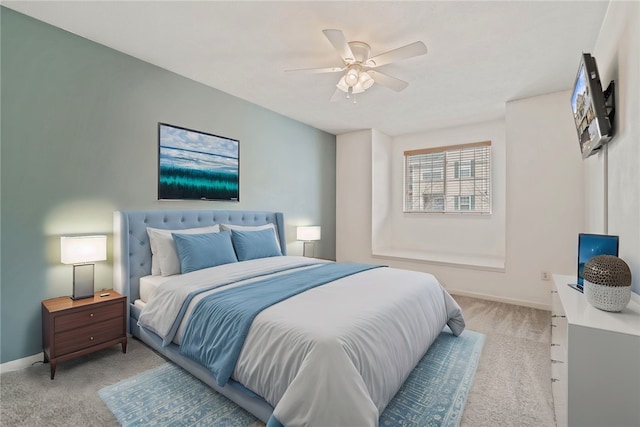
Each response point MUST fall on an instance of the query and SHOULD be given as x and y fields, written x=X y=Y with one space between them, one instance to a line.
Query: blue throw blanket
x=219 y=323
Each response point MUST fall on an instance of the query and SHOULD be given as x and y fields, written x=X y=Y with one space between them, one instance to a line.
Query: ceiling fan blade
x=338 y=95
x=317 y=70
x=388 y=81
x=337 y=39
x=404 y=52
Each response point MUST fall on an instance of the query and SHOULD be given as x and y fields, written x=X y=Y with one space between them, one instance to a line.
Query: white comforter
x=334 y=355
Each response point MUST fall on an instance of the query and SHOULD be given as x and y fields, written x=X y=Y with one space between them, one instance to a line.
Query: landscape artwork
x=195 y=165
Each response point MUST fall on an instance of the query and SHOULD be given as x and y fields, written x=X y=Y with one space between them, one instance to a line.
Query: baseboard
x=25 y=362
x=545 y=307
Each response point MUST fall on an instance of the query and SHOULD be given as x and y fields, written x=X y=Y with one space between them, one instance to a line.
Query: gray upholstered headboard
x=132 y=252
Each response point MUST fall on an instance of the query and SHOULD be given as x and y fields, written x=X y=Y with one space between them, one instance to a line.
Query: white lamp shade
x=342 y=85
x=76 y=250
x=365 y=80
x=351 y=78
x=358 y=88
x=308 y=233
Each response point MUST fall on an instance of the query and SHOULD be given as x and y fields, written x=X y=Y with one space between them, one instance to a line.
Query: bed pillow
x=198 y=251
x=155 y=265
x=254 y=228
x=164 y=257
x=255 y=244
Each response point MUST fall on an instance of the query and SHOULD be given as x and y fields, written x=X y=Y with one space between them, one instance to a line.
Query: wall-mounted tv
x=593 y=119
x=194 y=165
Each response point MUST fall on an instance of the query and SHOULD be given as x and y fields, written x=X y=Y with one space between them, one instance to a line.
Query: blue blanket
x=219 y=323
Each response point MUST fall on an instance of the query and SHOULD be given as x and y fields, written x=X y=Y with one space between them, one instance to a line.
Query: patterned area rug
x=433 y=395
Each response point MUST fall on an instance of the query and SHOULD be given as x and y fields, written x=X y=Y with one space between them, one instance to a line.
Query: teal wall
x=79 y=141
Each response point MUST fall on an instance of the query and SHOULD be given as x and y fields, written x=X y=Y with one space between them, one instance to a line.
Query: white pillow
x=163 y=248
x=155 y=264
x=253 y=228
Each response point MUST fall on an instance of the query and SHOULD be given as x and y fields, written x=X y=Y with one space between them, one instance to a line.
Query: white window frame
x=464 y=173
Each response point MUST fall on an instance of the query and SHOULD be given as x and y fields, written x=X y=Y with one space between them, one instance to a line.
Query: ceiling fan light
x=365 y=80
x=342 y=85
x=351 y=78
x=357 y=88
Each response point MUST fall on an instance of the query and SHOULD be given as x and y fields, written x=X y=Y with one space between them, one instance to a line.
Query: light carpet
x=434 y=394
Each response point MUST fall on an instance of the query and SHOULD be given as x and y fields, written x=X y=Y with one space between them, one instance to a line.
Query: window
x=464 y=169
x=464 y=203
x=433 y=202
x=455 y=179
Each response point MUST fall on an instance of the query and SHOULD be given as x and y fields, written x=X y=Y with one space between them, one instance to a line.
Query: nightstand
x=73 y=328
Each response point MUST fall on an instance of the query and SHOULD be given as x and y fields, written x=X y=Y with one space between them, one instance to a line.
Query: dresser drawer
x=88 y=316
x=88 y=336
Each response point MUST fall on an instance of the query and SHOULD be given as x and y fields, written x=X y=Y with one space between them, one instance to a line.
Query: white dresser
x=595 y=360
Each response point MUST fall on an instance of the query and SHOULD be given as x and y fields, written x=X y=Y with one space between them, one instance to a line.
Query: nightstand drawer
x=88 y=316
x=88 y=336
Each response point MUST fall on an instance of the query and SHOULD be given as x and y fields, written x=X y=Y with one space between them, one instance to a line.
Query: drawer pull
x=558 y=315
x=556 y=361
x=554 y=380
x=91 y=315
x=555 y=345
x=554 y=292
x=91 y=338
x=553 y=326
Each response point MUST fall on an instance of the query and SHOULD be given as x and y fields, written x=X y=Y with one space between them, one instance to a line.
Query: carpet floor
x=433 y=395
x=511 y=386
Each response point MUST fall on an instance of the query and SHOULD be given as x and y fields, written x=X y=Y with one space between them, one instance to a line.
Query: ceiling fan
x=361 y=72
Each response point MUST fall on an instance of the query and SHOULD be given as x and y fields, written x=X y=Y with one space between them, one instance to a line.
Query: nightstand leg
x=53 y=369
x=124 y=345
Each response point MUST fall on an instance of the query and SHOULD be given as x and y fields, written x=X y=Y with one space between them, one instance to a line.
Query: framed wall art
x=194 y=165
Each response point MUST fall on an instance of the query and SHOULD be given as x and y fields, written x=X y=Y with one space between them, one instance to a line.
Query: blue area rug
x=433 y=395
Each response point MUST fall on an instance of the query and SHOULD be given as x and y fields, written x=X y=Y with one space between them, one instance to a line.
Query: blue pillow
x=198 y=251
x=255 y=244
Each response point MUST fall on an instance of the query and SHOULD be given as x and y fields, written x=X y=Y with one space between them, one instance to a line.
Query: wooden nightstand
x=72 y=329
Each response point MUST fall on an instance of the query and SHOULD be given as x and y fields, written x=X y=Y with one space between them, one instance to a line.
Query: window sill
x=477 y=262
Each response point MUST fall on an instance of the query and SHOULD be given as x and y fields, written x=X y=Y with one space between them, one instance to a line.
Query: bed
x=334 y=354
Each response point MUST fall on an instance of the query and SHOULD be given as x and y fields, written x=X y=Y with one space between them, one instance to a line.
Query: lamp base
x=306 y=250
x=82 y=281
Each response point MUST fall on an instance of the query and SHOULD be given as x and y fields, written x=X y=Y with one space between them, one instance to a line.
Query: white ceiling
x=481 y=53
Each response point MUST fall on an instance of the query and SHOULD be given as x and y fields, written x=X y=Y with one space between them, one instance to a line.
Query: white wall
x=353 y=196
x=613 y=176
x=543 y=202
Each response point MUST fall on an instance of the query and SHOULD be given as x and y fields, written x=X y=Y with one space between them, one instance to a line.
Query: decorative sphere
x=607 y=270
x=607 y=283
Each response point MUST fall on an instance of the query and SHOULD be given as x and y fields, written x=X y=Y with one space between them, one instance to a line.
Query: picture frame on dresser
x=590 y=245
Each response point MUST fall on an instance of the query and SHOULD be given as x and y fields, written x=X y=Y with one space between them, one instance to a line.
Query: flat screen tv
x=194 y=165
x=590 y=113
x=590 y=245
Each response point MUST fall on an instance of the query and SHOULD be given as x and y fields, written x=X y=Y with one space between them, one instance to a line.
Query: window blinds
x=449 y=179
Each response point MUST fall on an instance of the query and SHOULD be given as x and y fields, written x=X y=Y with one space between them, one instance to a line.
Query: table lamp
x=308 y=235
x=81 y=251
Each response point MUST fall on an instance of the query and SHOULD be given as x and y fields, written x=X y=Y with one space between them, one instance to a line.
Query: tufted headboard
x=132 y=251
